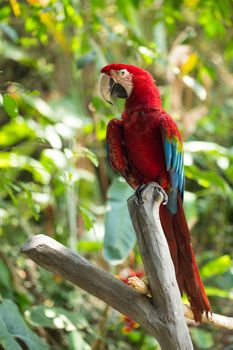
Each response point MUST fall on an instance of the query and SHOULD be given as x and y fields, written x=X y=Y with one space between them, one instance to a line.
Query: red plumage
x=187 y=274
x=144 y=146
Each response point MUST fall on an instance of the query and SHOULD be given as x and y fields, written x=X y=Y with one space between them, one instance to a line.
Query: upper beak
x=109 y=87
x=104 y=86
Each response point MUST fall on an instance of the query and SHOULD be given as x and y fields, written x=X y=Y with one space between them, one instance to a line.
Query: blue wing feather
x=173 y=151
x=174 y=156
x=168 y=152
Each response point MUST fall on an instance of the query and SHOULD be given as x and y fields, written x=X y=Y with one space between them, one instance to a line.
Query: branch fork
x=162 y=315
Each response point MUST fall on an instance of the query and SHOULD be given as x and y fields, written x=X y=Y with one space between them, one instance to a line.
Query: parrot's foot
x=157 y=189
x=164 y=194
x=139 y=190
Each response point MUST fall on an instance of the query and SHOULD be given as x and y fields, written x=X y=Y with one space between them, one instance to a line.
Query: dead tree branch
x=216 y=320
x=144 y=212
x=59 y=259
x=162 y=315
x=219 y=321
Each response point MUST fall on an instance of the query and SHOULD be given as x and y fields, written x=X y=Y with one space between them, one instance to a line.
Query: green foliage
x=56 y=318
x=14 y=328
x=10 y=105
x=119 y=237
x=202 y=338
x=54 y=174
x=216 y=266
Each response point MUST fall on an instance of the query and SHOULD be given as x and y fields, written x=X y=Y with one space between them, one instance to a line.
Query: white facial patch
x=124 y=78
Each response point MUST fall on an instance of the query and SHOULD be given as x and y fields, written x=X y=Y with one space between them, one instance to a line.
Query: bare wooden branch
x=216 y=320
x=144 y=212
x=164 y=319
x=139 y=285
x=56 y=258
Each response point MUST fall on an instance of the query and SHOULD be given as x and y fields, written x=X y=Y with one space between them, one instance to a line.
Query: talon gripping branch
x=144 y=146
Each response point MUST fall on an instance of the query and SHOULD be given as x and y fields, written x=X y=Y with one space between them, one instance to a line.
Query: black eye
x=122 y=72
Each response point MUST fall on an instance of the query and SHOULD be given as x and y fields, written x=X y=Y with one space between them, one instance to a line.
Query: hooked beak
x=109 y=87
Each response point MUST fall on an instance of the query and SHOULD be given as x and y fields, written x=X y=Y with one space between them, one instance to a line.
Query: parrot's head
x=126 y=81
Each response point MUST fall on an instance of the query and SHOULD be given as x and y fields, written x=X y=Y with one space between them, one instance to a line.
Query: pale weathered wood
x=144 y=212
x=164 y=317
x=59 y=259
x=219 y=321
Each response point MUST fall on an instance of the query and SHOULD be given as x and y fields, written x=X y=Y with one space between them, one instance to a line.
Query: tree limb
x=165 y=320
x=216 y=320
x=159 y=268
x=163 y=314
x=61 y=260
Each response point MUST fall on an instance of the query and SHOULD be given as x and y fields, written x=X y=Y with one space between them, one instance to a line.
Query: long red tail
x=188 y=278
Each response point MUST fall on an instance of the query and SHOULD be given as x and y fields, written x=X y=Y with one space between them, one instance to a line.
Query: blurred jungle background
x=55 y=178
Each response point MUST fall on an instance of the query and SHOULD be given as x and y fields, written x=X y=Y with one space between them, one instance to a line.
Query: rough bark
x=144 y=212
x=61 y=260
x=162 y=316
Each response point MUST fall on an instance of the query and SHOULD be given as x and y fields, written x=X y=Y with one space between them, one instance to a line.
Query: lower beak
x=109 y=87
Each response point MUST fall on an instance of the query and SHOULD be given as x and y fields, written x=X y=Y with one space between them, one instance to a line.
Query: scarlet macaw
x=145 y=145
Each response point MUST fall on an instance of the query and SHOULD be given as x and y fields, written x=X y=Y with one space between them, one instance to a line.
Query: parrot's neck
x=144 y=95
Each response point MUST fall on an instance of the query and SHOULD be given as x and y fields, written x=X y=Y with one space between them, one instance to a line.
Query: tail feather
x=166 y=220
x=179 y=241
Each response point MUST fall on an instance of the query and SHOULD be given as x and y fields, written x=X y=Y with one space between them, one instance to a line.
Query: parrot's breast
x=144 y=145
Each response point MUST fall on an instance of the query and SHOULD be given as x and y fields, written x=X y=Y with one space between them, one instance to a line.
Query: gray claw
x=157 y=191
x=164 y=194
x=138 y=193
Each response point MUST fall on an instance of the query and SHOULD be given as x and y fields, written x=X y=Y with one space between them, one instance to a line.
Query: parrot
x=144 y=145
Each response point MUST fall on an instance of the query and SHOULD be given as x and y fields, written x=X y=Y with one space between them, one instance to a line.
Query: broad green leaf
x=5 y=276
x=17 y=328
x=33 y=207
x=14 y=131
x=207 y=147
x=89 y=246
x=134 y=336
x=9 y=31
x=226 y=280
x=53 y=159
x=10 y=105
x=52 y=136
x=217 y=292
x=190 y=206
x=159 y=33
x=63 y=110
x=76 y=341
x=85 y=152
x=88 y=218
x=14 y=160
x=147 y=54
x=7 y=340
x=40 y=105
x=202 y=338
x=119 y=233
x=132 y=18
x=216 y=267
x=150 y=343
x=207 y=178
x=55 y=318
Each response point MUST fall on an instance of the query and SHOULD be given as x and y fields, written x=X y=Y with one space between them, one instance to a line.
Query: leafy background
x=54 y=175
